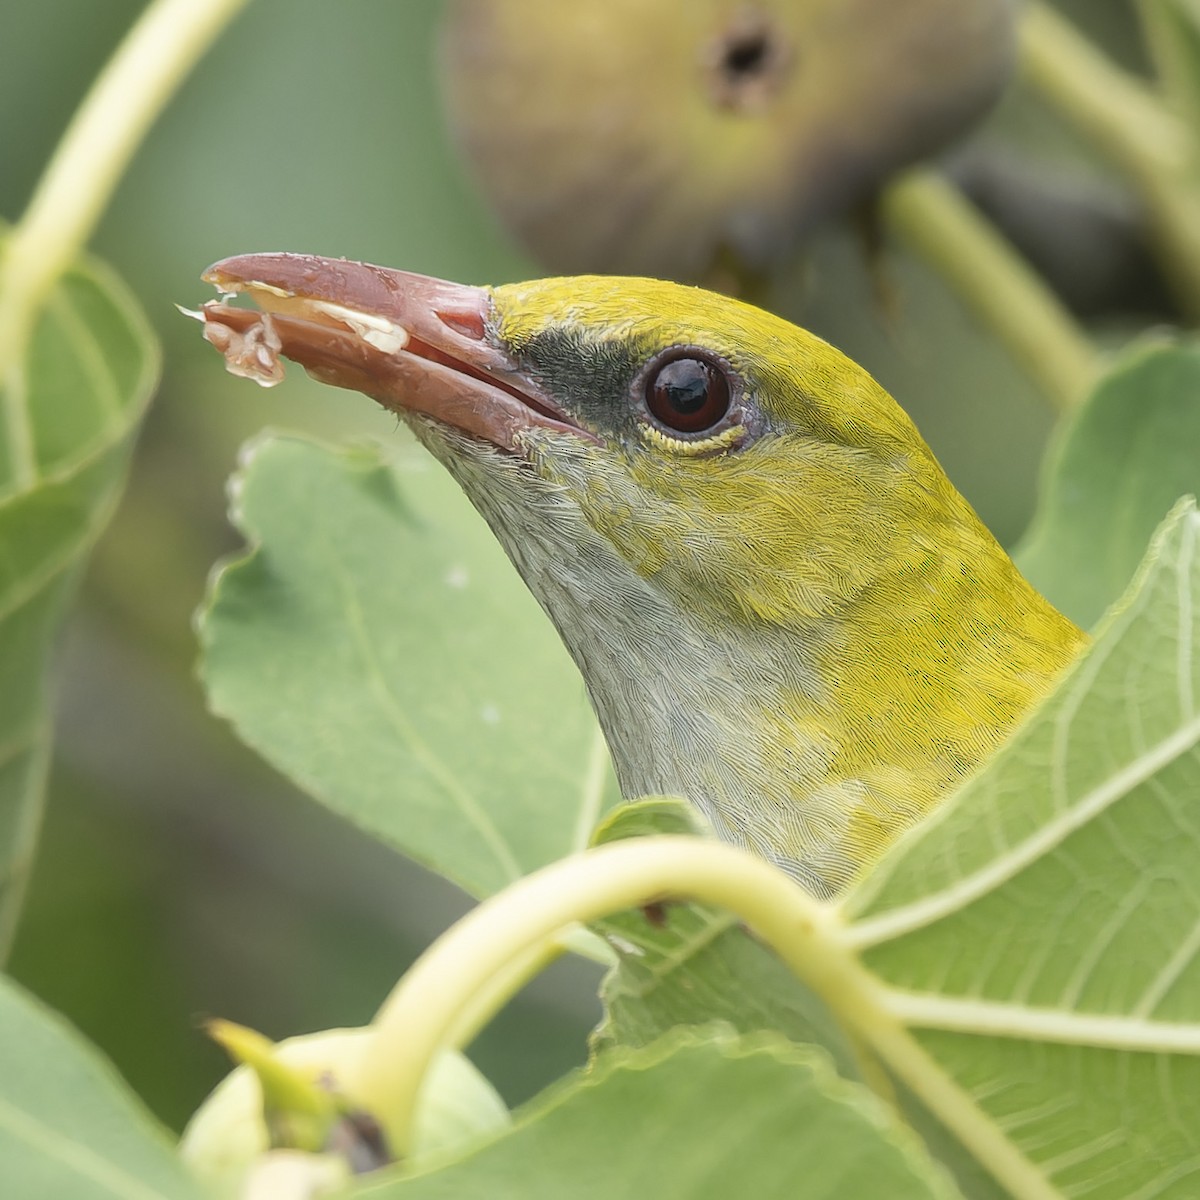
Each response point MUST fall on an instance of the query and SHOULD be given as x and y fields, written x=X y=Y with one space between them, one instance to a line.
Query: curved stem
x=481 y=961
x=498 y=942
x=571 y=938
x=1127 y=123
x=1008 y=296
x=482 y=1006
x=129 y=93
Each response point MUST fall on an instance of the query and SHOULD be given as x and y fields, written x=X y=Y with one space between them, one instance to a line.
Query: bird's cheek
x=624 y=520
x=599 y=481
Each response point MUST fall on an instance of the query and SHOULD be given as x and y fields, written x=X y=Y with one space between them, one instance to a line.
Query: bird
x=783 y=610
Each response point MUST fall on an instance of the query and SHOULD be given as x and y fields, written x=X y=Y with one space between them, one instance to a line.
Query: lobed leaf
x=377 y=647
x=1040 y=932
x=69 y=408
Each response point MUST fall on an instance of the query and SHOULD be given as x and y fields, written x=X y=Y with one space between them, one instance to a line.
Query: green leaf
x=1173 y=36
x=378 y=648
x=68 y=411
x=1120 y=463
x=1039 y=933
x=1024 y=965
x=69 y=1127
x=691 y=965
x=694 y=1117
x=646 y=817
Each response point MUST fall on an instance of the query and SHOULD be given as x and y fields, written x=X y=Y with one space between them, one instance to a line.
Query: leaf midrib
x=997 y=1018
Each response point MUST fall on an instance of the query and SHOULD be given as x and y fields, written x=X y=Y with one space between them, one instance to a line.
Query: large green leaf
x=695 y=1117
x=378 y=648
x=69 y=1127
x=68 y=410
x=1040 y=932
x=1120 y=463
x=1025 y=964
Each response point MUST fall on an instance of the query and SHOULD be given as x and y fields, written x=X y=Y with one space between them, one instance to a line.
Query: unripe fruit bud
x=228 y=1140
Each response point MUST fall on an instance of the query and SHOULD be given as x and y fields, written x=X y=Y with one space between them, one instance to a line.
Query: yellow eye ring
x=728 y=439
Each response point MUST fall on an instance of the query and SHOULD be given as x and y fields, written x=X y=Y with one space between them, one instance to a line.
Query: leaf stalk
x=942 y=227
x=471 y=971
x=1131 y=126
x=135 y=85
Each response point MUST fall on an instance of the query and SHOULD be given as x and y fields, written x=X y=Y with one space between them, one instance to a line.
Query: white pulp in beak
x=253 y=353
x=375 y=330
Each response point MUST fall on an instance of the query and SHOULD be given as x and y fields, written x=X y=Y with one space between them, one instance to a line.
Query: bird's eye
x=688 y=393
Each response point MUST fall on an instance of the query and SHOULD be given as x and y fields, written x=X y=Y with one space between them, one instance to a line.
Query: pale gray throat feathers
x=672 y=702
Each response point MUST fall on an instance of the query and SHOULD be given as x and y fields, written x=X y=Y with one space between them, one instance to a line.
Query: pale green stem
x=438 y=1000
x=28 y=823
x=937 y=223
x=498 y=942
x=487 y=1002
x=1127 y=123
x=129 y=93
x=481 y=1007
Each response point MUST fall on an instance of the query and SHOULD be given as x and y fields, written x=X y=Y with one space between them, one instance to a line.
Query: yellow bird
x=782 y=608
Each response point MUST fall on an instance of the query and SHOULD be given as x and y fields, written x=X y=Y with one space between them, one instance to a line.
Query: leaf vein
x=49 y=569
x=990 y=1018
x=1156 y=1187
x=923 y=912
x=91 y=355
x=1169 y=975
x=1101 y=944
x=1187 y=700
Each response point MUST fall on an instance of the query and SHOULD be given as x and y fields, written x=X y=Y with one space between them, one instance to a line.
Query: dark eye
x=688 y=393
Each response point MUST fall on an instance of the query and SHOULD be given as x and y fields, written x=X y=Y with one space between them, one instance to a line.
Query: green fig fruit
x=669 y=137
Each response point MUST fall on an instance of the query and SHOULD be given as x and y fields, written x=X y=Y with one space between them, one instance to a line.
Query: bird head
x=781 y=607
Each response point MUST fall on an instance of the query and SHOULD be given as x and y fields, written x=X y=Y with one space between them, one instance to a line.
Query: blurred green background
x=178 y=876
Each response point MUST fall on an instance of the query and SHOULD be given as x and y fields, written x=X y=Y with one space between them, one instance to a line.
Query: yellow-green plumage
x=781 y=607
x=812 y=636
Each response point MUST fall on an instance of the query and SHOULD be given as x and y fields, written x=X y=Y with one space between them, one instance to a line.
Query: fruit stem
x=469 y=973
x=1129 y=124
x=941 y=226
